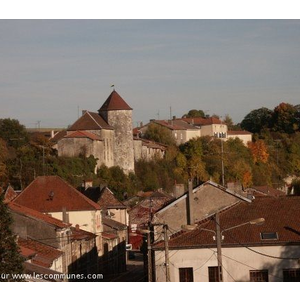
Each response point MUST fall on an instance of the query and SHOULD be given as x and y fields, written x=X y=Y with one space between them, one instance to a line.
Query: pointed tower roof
x=114 y=102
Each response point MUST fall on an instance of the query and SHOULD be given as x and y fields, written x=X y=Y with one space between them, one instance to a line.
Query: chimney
x=65 y=216
x=87 y=184
x=178 y=190
x=190 y=204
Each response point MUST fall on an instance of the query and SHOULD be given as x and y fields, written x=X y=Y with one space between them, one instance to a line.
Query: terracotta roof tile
x=109 y=235
x=114 y=102
x=202 y=121
x=79 y=234
x=52 y=194
x=267 y=190
x=58 y=136
x=90 y=121
x=45 y=255
x=37 y=215
x=9 y=195
x=176 y=124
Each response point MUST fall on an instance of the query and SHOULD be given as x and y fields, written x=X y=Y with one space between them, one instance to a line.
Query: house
x=196 y=204
x=53 y=196
x=29 y=224
x=106 y=134
x=265 y=190
x=106 y=200
x=148 y=150
x=243 y=135
x=142 y=213
x=84 y=252
x=115 y=236
x=268 y=252
x=180 y=130
x=41 y=254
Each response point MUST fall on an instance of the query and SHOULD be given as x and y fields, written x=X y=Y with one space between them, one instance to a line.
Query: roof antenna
x=113 y=86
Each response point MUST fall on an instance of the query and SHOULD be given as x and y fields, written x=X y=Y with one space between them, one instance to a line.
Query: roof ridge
x=93 y=119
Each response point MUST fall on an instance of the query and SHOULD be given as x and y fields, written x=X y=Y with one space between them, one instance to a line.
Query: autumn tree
x=259 y=151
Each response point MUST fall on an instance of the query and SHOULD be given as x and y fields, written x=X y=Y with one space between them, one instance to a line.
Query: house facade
x=265 y=252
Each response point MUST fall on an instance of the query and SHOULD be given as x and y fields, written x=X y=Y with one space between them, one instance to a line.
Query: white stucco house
x=268 y=252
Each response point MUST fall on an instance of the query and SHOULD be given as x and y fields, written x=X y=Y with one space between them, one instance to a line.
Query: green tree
x=13 y=132
x=257 y=120
x=159 y=134
x=194 y=113
x=10 y=259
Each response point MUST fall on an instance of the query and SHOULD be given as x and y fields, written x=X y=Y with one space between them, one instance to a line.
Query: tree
x=257 y=120
x=194 y=113
x=228 y=121
x=259 y=151
x=10 y=259
x=284 y=118
x=13 y=132
x=159 y=134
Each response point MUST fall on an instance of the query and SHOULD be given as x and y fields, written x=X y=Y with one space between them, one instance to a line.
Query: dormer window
x=269 y=236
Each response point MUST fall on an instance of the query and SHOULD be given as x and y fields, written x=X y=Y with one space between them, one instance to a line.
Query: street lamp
x=218 y=234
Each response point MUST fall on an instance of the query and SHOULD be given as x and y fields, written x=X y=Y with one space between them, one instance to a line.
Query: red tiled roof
x=281 y=215
x=83 y=134
x=175 y=124
x=45 y=255
x=9 y=195
x=26 y=253
x=37 y=215
x=115 y=102
x=267 y=190
x=202 y=121
x=79 y=234
x=109 y=235
x=52 y=194
x=108 y=200
x=238 y=132
x=90 y=121
x=58 y=136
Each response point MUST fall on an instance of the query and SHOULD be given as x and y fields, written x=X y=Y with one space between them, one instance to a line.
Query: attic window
x=269 y=235
x=51 y=196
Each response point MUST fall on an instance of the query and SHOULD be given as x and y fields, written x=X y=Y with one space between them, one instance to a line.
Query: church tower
x=118 y=114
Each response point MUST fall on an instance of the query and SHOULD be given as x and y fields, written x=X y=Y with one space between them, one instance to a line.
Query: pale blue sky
x=49 y=68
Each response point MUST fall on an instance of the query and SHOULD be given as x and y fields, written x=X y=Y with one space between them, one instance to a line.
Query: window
x=213 y=274
x=259 y=276
x=291 y=275
x=186 y=275
x=269 y=236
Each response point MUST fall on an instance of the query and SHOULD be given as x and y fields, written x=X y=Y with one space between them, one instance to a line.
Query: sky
x=52 y=69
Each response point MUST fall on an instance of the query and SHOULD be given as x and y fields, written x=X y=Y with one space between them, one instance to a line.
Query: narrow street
x=135 y=270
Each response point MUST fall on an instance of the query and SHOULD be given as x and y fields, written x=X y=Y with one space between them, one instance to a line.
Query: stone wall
x=121 y=120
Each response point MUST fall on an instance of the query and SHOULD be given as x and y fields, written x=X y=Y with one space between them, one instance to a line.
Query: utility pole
x=167 y=263
x=150 y=279
x=219 y=248
x=222 y=159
